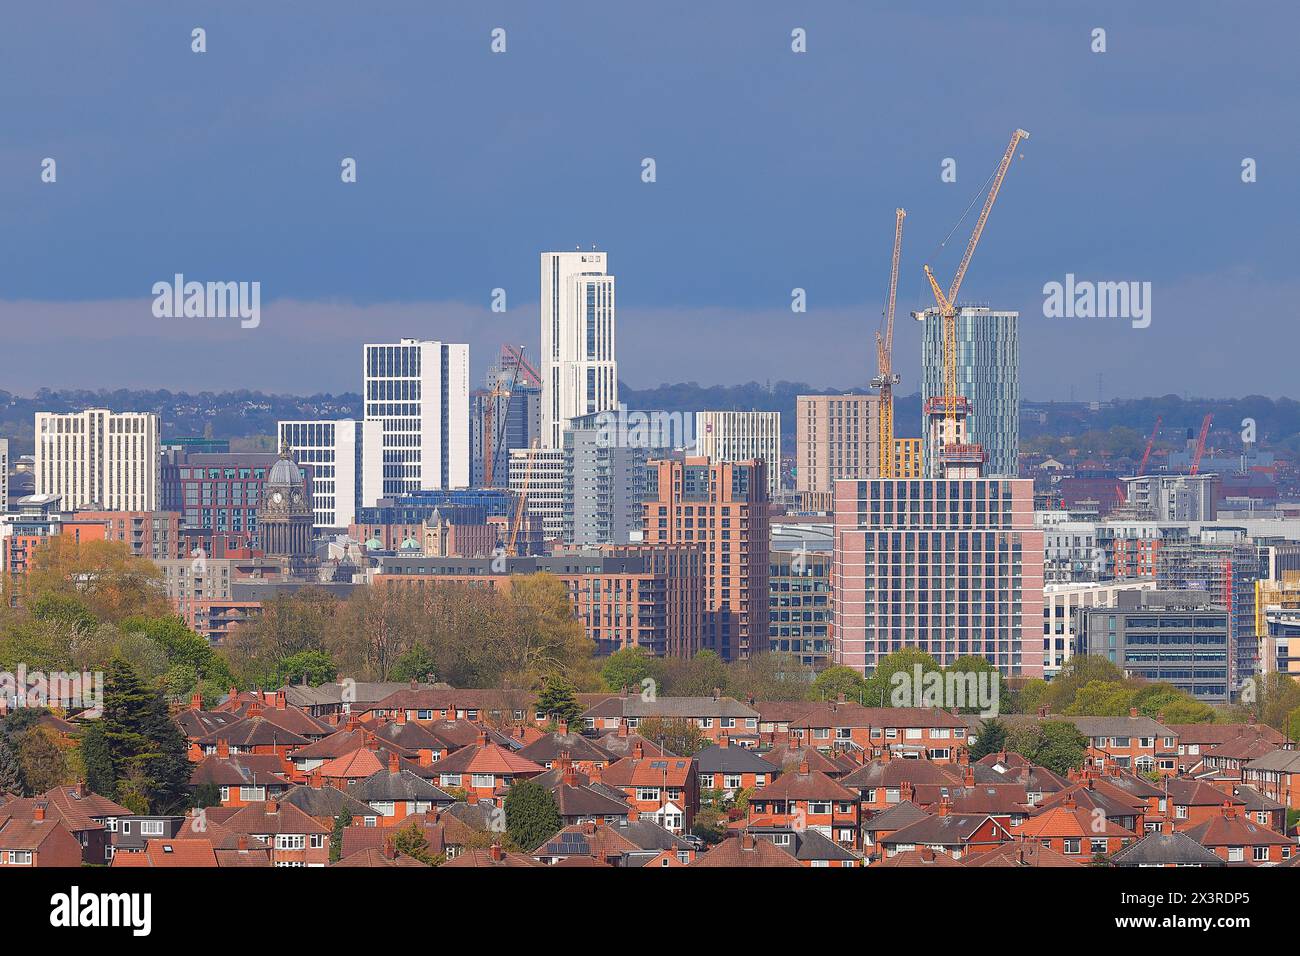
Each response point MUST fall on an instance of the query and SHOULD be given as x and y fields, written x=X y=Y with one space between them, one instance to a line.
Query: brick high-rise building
x=721 y=508
x=950 y=566
x=836 y=436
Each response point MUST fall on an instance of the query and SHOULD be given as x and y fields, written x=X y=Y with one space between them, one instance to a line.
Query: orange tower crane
x=1146 y=455
x=1200 y=445
x=886 y=379
x=948 y=303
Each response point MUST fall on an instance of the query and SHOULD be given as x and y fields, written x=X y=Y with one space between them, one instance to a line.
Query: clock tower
x=284 y=515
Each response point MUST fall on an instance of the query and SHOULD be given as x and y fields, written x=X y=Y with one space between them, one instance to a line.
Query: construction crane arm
x=1200 y=445
x=1146 y=455
x=998 y=177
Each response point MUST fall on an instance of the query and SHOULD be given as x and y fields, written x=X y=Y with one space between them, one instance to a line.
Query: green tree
x=697 y=676
x=341 y=823
x=146 y=751
x=43 y=761
x=418 y=664
x=101 y=776
x=12 y=729
x=557 y=700
x=1077 y=672
x=974 y=664
x=316 y=666
x=532 y=817
x=773 y=675
x=1063 y=747
x=1101 y=698
x=884 y=690
x=677 y=735
x=628 y=667
x=990 y=739
x=833 y=681
x=410 y=840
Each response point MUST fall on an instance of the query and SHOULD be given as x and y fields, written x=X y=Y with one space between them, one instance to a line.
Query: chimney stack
x=1132 y=712
x=724 y=740
x=496 y=854
x=637 y=750
x=223 y=748
x=38 y=811
x=196 y=702
x=394 y=762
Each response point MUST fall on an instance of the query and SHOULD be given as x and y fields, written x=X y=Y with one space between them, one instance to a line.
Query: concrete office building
x=1179 y=637
x=799 y=605
x=579 y=371
x=1172 y=497
x=950 y=567
x=604 y=484
x=742 y=436
x=419 y=393
x=98 y=458
x=722 y=509
x=1062 y=600
x=4 y=475
x=346 y=462
x=988 y=375
x=1070 y=550
x=541 y=471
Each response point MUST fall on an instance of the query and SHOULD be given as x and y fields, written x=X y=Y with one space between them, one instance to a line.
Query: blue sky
x=775 y=170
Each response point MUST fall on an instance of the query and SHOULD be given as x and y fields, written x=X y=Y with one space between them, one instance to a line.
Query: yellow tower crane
x=948 y=303
x=886 y=379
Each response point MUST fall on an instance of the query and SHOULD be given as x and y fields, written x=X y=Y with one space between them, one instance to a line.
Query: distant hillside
x=233 y=415
x=247 y=416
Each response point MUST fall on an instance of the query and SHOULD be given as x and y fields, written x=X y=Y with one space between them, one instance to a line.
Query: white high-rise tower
x=419 y=391
x=579 y=372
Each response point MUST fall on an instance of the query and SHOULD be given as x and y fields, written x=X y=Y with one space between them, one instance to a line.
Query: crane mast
x=885 y=379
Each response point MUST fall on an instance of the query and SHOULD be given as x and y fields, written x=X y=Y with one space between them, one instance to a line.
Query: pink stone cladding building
x=952 y=567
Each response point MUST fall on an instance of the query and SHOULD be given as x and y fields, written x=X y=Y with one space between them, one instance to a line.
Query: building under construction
x=1225 y=564
x=1171 y=497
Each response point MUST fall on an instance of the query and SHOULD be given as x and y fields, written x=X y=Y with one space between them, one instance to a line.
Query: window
x=1073 y=845
x=317 y=841
x=1099 y=844
x=1261 y=854
x=732 y=781
x=483 y=781
x=151 y=828
x=290 y=841
x=1235 y=854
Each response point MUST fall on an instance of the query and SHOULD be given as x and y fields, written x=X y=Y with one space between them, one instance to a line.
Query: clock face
x=277 y=498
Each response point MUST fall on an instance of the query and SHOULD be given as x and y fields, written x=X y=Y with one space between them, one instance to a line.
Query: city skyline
x=1114 y=186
